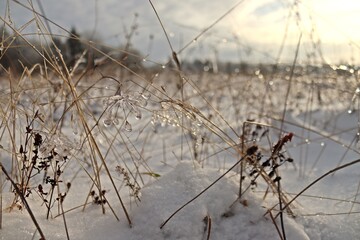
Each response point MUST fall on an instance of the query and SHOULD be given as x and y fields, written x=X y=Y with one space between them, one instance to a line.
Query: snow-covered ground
x=322 y=140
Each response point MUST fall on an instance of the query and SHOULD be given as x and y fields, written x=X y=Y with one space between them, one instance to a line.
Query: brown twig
x=21 y=195
x=276 y=226
x=207 y=221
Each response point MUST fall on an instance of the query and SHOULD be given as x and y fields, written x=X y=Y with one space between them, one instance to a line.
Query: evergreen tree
x=74 y=45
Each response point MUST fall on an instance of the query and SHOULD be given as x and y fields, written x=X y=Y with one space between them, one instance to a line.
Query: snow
x=245 y=222
x=159 y=200
x=328 y=210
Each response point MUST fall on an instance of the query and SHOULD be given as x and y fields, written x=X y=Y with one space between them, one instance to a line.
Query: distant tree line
x=17 y=53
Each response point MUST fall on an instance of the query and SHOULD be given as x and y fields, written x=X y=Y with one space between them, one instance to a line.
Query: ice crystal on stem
x=57 y=144
x=171 y=113
x=119 y=106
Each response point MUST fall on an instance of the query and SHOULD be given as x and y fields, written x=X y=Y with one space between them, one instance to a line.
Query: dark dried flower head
x=251 y=150
x=37 y=140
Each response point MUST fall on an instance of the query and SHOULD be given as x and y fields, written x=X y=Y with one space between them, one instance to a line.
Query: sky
x=253 y=31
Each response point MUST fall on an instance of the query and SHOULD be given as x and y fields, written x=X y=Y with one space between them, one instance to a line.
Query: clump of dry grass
x=223 y=120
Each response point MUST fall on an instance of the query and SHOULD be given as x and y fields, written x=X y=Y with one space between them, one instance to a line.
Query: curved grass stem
x=199 y=194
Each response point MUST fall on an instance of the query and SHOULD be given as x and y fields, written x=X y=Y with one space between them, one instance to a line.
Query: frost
x=57 y=143
x=119 y=106
x=177 y=114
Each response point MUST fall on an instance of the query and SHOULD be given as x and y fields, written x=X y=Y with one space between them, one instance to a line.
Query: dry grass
x=84 y=117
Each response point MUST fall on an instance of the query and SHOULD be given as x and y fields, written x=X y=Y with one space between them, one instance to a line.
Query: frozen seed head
x=56 y=145
x=119 y=106
x=179 y=115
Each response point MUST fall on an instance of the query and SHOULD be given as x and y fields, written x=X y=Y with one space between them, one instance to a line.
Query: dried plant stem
x=64 y=219
x=276 y=226
x=289 y=86
x=281 y=130
x=72 y=209
x=94 y=146
x=162 y=26
x=281 y=212
x=52 y=191
x=207 y=220
x=181 y=79
x=212 y=25
x=243 y=151
x=61 y=200
x=198 y=195
x=354 y=201
x=21 y=195
x=318 y=179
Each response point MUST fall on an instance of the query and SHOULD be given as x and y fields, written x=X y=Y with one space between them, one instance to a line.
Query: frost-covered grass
x=115 y=153
x=166 y=160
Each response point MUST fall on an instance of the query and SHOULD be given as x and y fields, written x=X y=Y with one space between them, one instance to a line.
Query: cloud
x=252 y=25
x=267 y=8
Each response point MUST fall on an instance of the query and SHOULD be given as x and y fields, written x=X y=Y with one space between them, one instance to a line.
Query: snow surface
x=327 y=211
x=159 y=200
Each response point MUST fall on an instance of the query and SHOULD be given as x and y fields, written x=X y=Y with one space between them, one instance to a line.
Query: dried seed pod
x=251 y=150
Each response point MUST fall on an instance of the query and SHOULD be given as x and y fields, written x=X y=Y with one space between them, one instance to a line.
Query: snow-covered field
x=158 y=161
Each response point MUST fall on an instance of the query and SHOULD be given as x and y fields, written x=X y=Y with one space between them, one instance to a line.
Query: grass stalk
x=275 y=224
x=203 y=191
x=23 y=199
x=320 y=178
x=289 y=85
